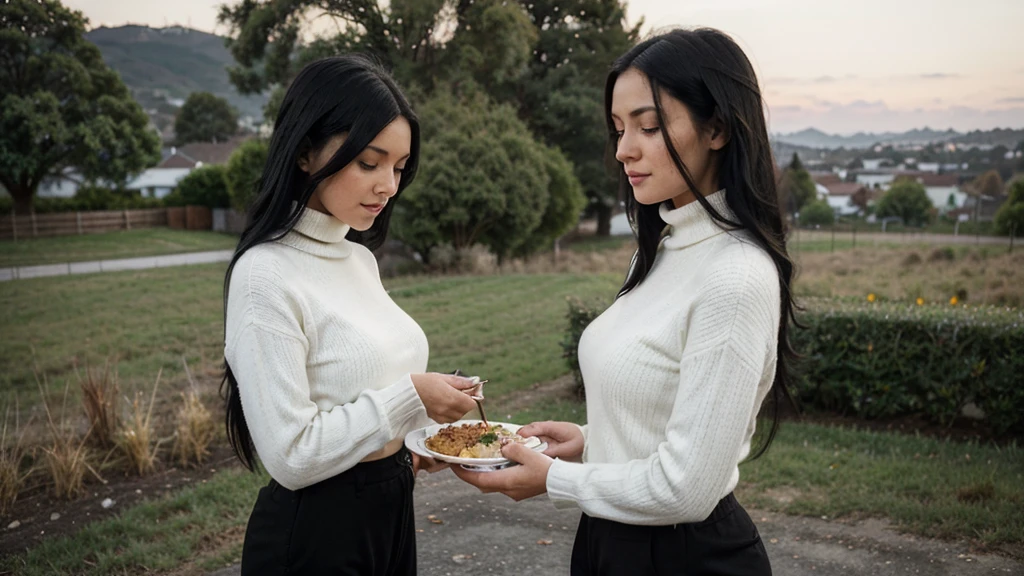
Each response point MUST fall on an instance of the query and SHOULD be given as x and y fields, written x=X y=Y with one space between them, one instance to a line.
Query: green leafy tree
x=562 y=96
x=906 y=199
x=817 y=213
x=479 y=181
x=61 y=107
x=204 y=186
x=548 y=58
x=205 y=118
x=1010 y=216
x=244 y=169
x=797 y=188
x=565 y=203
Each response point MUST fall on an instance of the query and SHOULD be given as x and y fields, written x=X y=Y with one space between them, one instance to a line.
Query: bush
x=1010 y=216
x=86 y=199
x=889 y=359
x=204 y=186
x=245 y=167
x=817 y=213
x=580 y=316
x=907 y=200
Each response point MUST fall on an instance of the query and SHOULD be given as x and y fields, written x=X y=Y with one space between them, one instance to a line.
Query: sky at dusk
x=841 y=67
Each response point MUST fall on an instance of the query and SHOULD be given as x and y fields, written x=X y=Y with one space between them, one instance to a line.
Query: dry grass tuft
x=100 y=393
x=11 y=454
x=136 y=436
x=195 y=427
x=67 y=456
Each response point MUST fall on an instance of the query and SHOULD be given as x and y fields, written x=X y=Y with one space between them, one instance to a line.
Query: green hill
x=171 y=63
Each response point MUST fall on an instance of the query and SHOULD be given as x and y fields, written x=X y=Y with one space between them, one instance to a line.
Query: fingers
x=459 y=382
x=537 y=429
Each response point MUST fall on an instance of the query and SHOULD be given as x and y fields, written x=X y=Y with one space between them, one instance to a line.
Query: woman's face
x=641 y=147
x=357 y=193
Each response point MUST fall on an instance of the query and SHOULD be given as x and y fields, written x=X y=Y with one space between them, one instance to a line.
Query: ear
x=305 y=156
x=719 y=135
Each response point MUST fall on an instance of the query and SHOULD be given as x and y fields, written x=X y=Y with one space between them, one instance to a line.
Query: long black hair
x=709 y=73
x=352 y=95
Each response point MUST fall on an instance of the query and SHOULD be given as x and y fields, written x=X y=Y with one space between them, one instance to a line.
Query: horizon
x=884 y=66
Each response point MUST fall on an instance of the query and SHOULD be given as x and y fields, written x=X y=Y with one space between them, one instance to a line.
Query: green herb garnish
x=488 y=439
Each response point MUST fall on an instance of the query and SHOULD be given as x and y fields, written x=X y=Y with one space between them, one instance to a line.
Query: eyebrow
x=639 y=111
x=384 y=152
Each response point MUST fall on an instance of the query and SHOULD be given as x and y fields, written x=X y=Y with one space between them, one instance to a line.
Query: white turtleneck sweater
x=321 y=353
x=675 y=373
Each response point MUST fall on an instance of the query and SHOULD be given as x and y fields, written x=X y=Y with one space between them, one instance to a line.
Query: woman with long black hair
x=324 y=372
x=677 y=368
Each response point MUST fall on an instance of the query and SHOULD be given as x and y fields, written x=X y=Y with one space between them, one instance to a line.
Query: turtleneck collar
x=319 y=234
x=691 y=224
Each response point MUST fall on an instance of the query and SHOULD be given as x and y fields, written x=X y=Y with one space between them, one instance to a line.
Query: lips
x=374 y=208
x=636 y=178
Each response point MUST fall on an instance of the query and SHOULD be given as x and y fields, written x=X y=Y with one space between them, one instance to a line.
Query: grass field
x=110 y=245
x=504 y=328
x=925 y=486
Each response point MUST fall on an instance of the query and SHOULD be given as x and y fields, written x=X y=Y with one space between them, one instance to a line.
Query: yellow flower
x=920 y=301
x=953 y=301
x=871 y=297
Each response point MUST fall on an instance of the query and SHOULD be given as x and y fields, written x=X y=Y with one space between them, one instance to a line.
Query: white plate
x=416 y=441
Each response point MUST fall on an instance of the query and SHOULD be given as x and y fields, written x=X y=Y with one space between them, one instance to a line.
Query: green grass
x=598 y=243
x=146 y=320
x=107 y=246
x=811 y=470
x=159 y=535
x=931 y=487
x=503 y=328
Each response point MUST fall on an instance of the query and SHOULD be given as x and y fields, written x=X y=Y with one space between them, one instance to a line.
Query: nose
x=625 y=149
x=388 y=186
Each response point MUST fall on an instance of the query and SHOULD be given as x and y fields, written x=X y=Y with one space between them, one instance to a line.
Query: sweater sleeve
x=299 y=443
x=731 y=335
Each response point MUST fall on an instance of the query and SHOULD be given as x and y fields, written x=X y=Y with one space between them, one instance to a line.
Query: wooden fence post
x=14 y=225
x=35 y=231
x=78 y=221
x=127 y=224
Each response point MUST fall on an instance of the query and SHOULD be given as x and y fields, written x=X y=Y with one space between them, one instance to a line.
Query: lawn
x=111 y=245
x=925 y=486
x=504 y=328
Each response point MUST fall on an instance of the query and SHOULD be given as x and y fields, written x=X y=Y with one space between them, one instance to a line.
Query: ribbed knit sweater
x=321 y=353
x=675 y=373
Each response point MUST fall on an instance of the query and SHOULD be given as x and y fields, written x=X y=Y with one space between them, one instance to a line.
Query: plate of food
x=471 y=443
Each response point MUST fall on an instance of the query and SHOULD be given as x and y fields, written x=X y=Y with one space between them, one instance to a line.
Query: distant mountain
x=814 y=138
x=171 y=63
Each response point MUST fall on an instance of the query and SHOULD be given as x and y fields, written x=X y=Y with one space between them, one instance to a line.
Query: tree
x=795 y=163
x=205 y=118
x=988 y=184
x=244 y=169
x=1010 y=216
x=906 y=199
x=548 y=58
x=817 y=213
x=500 y=199
x=204 y=186
x=562 y=96
x=797 y=188
x=61 y=107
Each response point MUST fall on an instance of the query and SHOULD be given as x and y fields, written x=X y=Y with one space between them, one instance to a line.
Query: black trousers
x=725 y=544
x=359 y=522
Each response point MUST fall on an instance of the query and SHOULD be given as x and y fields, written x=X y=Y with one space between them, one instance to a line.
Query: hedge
x=890 y=359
